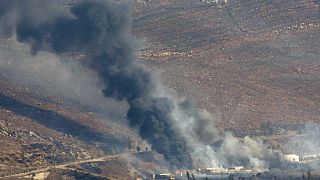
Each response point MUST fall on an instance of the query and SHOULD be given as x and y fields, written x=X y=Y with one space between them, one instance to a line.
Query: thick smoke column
x=100 y=30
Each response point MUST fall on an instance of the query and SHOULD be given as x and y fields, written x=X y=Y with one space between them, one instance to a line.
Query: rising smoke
x=100 y=30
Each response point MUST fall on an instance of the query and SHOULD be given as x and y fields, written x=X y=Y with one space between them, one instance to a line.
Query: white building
x=292 y=157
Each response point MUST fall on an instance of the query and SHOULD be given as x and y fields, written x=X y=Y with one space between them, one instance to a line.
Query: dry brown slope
x=247 y=62
x=38 y=131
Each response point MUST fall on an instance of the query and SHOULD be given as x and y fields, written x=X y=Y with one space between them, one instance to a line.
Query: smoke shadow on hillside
x=58 y=122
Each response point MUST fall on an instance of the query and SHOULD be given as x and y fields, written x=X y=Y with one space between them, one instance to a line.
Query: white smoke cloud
x=249 y=152
x=211 y=148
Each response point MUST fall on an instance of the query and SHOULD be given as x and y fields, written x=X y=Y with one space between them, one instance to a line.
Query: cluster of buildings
x=302 y=158
x=206 y=171
x=294 y=158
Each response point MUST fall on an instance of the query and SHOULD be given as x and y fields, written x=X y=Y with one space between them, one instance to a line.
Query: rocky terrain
x=37 y=133
x=247 y=63
x=250 y=64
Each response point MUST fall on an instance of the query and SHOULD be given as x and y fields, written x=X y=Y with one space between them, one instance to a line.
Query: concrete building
x=167 y=176
x=221 y=170
x=235 y=169
x=292 y=157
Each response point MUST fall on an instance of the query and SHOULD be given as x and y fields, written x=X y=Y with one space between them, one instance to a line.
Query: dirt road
x=61 y=166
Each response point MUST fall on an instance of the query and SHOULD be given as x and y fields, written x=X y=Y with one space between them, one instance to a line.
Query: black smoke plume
x=101 y=30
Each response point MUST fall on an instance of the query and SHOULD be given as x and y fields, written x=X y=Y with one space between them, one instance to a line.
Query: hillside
x=248 y=63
